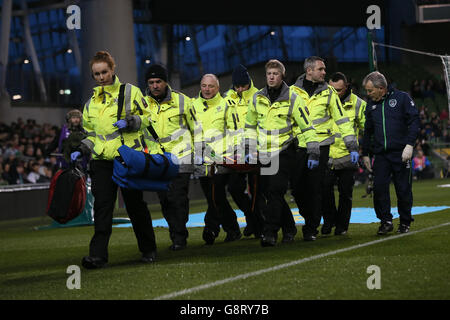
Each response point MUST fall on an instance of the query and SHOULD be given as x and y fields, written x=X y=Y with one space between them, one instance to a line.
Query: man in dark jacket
x=391 y=129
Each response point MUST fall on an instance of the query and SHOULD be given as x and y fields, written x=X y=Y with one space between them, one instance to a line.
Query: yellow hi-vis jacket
x=100 y=113
x=172 y=120
x=355 y=109
x=272 y=126
x=324 y=108
x=209 y=132
x=235 y=114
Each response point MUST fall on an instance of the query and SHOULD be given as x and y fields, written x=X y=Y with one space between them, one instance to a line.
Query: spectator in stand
x=2 y=180
x=416 y=93
x=428 y=89
x=29 y=151
x=445 y=136
x=421 y=166
x=42 y=166
x=436 y=127
x=34 y=175
x=21 y=177
x=7 y=174
x=423 y=112
x=53 y=164
x=443 y=116
x=12 y=160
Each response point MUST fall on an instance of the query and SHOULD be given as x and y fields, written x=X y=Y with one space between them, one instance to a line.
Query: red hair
x=103 y=56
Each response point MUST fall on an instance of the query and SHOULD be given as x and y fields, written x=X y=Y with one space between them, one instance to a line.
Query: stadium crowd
x=26 y=152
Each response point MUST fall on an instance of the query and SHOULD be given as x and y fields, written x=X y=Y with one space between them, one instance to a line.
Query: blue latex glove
x=121 y=124
x=75 y=155
x=313 y=164
x=354 y=156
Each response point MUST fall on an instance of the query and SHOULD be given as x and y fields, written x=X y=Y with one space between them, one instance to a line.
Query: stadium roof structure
x=43 y=59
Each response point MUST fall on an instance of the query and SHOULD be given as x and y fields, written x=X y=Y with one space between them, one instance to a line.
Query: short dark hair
x=338 y=76
x=311 y=61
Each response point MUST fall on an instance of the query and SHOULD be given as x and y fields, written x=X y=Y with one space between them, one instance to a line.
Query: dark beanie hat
x=156 y=71
x=240 y=76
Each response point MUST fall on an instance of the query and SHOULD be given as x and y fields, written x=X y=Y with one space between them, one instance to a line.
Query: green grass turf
x=33 y=262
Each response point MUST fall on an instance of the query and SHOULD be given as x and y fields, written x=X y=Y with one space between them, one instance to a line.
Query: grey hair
x=311 y=62
x=378 y=80
x=211 y=76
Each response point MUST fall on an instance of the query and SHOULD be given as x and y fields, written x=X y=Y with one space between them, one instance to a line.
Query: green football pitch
x=35 y=264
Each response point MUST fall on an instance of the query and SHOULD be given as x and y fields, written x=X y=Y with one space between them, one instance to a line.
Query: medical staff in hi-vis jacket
x=173 y=123
x=276 y=117
x=325 y=110
x=105 y=134
x=208 y=111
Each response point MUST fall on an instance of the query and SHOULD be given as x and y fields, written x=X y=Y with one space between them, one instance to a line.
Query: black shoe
x=309 y=237
x=385 y=227
x=248 y=231
x=340 y=232
x=268 y=241
x=233 y=236
x=93 y=262
x=403 y=228
x=288 y=238
x=149 y=257
x=177 y=246
x=326 y=229
x=209 y=236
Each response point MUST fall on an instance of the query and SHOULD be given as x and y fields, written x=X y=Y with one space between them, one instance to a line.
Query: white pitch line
x=288 y=264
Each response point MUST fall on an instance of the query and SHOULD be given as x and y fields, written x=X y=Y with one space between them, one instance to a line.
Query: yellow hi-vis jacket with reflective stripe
x=324 y=109
x=100 y=113
x=209 y=123
x=273 y=125
x=235 y=114
x=172 y=120
x=355 y=109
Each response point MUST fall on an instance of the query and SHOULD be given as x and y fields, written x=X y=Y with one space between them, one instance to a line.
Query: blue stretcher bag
x=141 y=183
x=133 y=163
x=139 y=170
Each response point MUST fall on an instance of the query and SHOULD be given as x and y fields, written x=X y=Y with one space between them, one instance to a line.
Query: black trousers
x=219 y=210
x=307 y=188
x=237 y=184
x=340 y=216
x=387 y=165
x=175 y=207
x=277 y=213
x=105 y=194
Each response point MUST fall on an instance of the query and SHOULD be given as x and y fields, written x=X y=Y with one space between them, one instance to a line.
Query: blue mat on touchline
x=359 y=215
